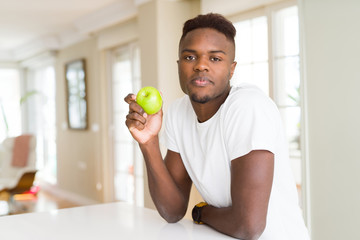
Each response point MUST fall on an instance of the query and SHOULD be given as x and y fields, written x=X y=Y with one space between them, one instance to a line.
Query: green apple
x=149 y=99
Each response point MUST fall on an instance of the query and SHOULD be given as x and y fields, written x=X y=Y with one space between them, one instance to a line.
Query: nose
x=201 y=65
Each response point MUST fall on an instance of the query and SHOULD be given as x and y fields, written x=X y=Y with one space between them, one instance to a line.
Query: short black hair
x=211 y=20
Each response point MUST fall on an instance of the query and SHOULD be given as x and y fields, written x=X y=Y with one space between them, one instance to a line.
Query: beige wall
x=332 y=68
x=79 y=152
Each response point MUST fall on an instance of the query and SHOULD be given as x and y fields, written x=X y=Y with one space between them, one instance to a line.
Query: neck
x=204 y=111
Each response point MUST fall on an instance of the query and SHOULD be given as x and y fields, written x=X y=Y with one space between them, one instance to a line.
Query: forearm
x=251 y=183
x=232 y=223
x=166 y=195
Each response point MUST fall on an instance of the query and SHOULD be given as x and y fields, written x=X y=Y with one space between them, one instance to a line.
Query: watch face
x=196 y=214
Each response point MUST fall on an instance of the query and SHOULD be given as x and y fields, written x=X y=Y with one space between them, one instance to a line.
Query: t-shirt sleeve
x=170 y=140
x=253 y=125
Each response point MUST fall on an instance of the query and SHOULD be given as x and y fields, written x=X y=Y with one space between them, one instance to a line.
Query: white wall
x=332 y=68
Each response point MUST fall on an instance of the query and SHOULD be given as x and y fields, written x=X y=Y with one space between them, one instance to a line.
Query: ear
x=232 y=68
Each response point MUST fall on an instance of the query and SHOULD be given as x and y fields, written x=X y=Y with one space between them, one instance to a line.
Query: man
x=226 y=140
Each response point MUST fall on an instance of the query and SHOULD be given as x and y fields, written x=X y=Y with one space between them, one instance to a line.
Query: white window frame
x=112 y=164
x=268 y=11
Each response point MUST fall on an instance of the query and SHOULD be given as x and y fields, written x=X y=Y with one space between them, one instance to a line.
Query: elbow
x=171 y=216
x=171 y=213
x=248 y=231
x=172 y=219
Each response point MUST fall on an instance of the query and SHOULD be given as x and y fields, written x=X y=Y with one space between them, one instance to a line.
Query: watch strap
x=196 y=212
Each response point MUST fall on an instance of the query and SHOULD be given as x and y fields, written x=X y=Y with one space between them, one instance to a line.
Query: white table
x=103 y=221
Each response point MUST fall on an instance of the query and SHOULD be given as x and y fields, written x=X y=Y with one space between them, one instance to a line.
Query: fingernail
x=145 y=115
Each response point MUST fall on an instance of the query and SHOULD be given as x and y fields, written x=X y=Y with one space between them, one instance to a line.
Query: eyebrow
x=212 y=51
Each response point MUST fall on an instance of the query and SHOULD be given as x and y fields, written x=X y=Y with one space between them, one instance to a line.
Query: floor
x=43 y=201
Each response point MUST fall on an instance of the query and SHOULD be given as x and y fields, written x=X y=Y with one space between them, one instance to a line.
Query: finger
x=133 y=124
x=134 y=107
x=134 y=116
x=130 y=98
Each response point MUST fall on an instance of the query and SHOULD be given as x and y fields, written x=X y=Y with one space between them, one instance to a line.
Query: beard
x=198 y=99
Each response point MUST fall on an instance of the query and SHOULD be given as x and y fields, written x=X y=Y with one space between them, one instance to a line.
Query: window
x=252 y=52
x=268 y=56
x=32 y=111
x=40 y=116
x=10 y=110
x=286 y=62
x=128 y=161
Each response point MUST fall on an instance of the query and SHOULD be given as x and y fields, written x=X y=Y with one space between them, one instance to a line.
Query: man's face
x=206 y=64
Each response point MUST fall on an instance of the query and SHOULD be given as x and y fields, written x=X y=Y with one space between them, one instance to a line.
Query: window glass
x=287 y=32
x=287 y=80
x=128 y=161
x=252 y=53
x=10 y=110
x=287 y=75
x=39 y=101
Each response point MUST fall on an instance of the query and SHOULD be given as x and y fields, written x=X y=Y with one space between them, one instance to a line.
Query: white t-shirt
x=248 y=120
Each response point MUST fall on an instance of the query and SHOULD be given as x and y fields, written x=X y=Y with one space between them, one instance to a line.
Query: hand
x=142 y=126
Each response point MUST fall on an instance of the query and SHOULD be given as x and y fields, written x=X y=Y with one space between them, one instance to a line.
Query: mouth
x=201 y=81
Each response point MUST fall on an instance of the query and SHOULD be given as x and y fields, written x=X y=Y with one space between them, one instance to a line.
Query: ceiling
x=25 y=23
x=29 y=27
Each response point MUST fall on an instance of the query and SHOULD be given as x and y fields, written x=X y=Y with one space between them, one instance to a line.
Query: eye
x=189 y=57
x=215 y=59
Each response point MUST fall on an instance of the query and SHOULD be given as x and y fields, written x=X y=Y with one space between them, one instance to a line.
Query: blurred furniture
x=17 y=164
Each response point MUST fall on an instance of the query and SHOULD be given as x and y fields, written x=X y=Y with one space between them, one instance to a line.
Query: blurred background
x=65 y=67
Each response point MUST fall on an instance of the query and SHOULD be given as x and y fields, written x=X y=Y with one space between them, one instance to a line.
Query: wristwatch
x=196 y=212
